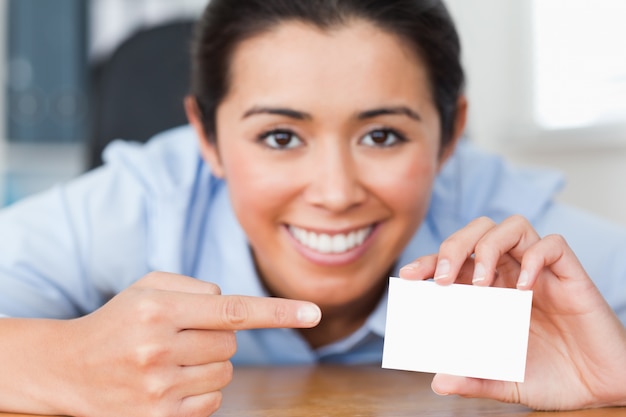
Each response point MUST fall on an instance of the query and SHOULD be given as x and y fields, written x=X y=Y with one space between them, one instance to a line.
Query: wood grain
x=356 y=391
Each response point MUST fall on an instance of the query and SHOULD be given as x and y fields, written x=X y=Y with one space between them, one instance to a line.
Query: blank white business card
x=464 y=330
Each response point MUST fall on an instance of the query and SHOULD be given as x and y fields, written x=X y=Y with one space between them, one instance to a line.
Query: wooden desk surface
x=328 y=391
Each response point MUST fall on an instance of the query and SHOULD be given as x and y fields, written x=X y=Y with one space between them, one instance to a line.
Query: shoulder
x=475 y=183
x=166 y=163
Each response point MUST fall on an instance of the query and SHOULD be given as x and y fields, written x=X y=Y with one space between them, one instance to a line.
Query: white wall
x=112 y=21
x=496 y=41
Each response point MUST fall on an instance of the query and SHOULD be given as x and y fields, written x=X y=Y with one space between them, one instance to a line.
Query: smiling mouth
x=326 y=243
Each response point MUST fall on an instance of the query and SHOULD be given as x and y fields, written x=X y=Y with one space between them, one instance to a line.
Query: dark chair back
x=139 y=90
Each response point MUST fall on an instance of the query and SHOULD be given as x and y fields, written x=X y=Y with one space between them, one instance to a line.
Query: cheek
x=405 y=186
x=257 y=189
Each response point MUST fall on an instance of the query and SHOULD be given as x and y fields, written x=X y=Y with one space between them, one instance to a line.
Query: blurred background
x=546 y=84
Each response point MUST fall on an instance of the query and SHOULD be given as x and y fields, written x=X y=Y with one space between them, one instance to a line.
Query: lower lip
x=333 y=259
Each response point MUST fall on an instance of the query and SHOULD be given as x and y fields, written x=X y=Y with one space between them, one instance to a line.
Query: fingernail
x=442 y=270
x=479 y=273
x=522 y=281
x=309 y=313
x=413 y=266
x=443 y=394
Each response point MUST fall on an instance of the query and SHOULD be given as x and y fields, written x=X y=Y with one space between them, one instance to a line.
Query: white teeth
x=325 y=243
x=351 y=240
x=340 y=243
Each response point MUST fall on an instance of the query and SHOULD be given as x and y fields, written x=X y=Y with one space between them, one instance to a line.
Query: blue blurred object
x=18 y=185
x=47 y=81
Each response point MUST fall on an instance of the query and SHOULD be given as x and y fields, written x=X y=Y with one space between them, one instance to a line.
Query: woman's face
x=329 y=143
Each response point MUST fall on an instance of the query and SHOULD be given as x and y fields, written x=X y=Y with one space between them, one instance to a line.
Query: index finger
x=238 y=312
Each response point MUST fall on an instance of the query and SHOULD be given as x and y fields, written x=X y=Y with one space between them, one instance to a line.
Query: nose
x=335 y=183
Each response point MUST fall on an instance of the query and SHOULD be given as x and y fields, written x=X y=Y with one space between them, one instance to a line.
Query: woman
x=315 y=169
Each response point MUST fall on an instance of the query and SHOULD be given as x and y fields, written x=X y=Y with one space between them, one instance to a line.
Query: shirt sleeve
x=598 y=243
x=59 y=249
x=67 y=251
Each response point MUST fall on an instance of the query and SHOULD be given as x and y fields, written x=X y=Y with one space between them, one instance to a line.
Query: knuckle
x=235 y=311
x=484 y=221
x=231 y=344
x=225 y=373
x=484 y=247
x=149 y=355
x=452 y=245
x=556 y=239
x=228 y=345
x=149 y=279
x=214 y=402
x=282 y=314
x=213 y=289
x=229 y=370
x=152 y=275
x=518 y=219
x=156 y=389
x=148 y=310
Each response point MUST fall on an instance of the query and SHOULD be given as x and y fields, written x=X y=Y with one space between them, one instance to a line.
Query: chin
x=335 y=293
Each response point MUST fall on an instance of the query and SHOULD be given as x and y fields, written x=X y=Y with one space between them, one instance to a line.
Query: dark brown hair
x=425 y=25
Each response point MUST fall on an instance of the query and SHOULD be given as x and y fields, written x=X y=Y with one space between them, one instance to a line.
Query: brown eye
x=281 y=139
x=382 y=138
x=379 y=137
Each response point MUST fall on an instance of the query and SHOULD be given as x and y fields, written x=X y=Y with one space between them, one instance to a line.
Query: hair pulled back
x=425 y=25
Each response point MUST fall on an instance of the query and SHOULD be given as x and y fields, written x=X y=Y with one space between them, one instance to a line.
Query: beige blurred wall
x=496 y=42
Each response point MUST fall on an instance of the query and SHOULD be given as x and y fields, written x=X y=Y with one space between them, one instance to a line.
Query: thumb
x=475 y=388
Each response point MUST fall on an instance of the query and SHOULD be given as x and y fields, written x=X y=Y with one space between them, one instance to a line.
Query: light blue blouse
x=65 y=252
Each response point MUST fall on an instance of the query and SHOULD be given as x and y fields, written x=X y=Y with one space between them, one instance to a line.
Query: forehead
x=298 y=59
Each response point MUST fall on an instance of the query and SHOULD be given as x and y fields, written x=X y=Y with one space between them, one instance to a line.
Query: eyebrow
x=293 y=114
x=383 y=111
x=368 y=114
